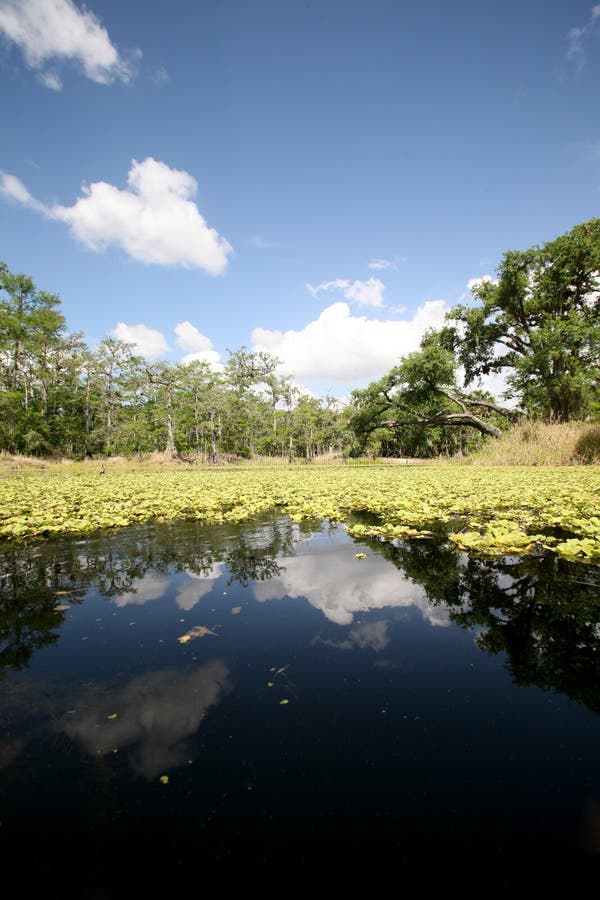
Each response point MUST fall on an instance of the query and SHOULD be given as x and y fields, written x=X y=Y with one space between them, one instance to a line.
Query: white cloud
x=198 y=345
x=367 y=293
x=154 y=220
x=51 y=80
x=344 y=348
x=13 y=187
x=379 y=264
x=148 y=342
x=577 y=36
x=473 y=283
x=189 y=338
x=368 y=584
x=58 y=30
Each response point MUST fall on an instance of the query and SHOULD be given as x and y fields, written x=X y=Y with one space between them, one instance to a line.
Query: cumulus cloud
x=199 y=347
x=340 y=347
x=370 y=584
x=578 y=35
x=154 y=220
x=148 y=342
x=58 y=31
x=367 y=293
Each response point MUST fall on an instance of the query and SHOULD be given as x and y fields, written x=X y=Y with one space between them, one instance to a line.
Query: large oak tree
x=539 y=323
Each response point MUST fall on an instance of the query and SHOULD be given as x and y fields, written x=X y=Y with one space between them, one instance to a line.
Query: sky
x=319 y=180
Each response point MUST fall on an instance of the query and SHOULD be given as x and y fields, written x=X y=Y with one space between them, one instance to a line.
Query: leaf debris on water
x=196 y=631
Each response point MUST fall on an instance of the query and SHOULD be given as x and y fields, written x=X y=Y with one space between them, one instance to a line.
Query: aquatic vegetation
x=492 y=511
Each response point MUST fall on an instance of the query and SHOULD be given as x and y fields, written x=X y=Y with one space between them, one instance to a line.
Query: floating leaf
x=112 y=716
x=164 y=779
x=269 y=684
x=235 y=610
x=283 y=702
x=61 y=608
x=195 y=632
x=360 y=555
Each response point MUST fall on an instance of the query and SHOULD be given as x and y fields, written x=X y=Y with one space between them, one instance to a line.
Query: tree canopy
x=418 y=408
x=539 y=321
x=59 y=397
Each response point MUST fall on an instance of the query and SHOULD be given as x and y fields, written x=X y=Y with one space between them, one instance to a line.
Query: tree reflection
x=30 y=584
x=542 y=611
x=36 y=578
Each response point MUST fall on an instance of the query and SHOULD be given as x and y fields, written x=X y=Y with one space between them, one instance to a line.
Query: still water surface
x=411 y=708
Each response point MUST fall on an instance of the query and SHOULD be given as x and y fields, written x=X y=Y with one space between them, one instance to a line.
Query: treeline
x=537 y=323
x=59 y=397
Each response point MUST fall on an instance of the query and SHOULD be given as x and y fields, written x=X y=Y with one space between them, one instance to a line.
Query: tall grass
x=528 y=444
x=541 y=444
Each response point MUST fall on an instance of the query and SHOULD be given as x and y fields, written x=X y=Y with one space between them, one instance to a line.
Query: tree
x=540 y=322
x=202 y=404
x=417 y=407
x=246 y=373
x=31 y=340
x=115 y=373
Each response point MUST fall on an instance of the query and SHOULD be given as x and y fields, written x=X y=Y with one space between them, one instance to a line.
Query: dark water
x=415 y=711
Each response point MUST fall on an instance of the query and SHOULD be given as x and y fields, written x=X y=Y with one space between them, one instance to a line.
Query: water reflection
x=329 y=704
x=152 y=716
x=340 y=586
x=372 y=635
x=543 y=613
x=133 y=566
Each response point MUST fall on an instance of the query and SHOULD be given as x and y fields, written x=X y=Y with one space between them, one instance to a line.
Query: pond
x=182 y=698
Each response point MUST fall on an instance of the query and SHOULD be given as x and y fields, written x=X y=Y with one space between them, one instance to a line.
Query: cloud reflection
x=188 y=592
x=150 y=587
x=156 y=714
x=370 y=636
x=191 y=592
x=341 y=585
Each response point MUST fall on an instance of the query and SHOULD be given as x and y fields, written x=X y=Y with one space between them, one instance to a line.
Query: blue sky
x=317 y=179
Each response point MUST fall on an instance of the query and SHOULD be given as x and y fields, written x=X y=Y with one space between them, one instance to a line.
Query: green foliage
x=60 y=398
x=540 y=322
x=489 y=511
x=417 y=409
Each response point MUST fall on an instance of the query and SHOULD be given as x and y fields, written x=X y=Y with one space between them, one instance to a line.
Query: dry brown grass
x=542 y=444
